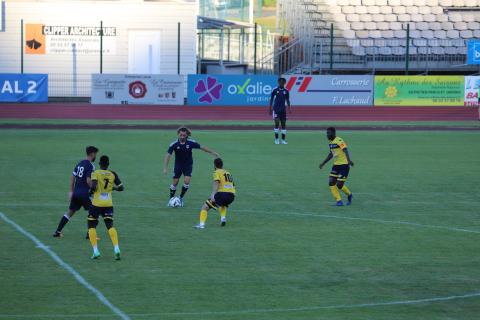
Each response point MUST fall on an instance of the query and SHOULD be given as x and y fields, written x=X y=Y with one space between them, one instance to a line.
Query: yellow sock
x=92 y=235
x=203 y=216
x=346 y=190
x=223 y=212
x=335 y=193
x=114 y=236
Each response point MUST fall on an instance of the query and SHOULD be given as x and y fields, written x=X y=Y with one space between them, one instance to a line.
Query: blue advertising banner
x=230 y=90
x=473 y=51
x=23 y=87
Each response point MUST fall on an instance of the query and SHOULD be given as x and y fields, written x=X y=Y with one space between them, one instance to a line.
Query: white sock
x=95 y=250
x=116 y=249
x=223 y=219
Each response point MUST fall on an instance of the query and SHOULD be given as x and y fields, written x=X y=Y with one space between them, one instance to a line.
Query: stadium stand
x=376 y=34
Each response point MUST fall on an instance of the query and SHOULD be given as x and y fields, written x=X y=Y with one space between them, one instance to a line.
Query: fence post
x=331 y=47
x=255 y=50
x=21 y=46
x=407 y=52
x=178 y=48
x=228 y=44
x=101 y=47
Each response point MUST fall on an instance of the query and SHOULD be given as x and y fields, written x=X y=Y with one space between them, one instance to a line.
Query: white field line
x=278 y=310
x=305 y=214
x=67 y=267
x=327 y=216
x=365 y=305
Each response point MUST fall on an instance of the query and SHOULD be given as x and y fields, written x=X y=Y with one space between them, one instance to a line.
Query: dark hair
x=218 y=163
x=104 y=162
x=332 y=129
x=91 y=149
x=282 y=79
x=184 y=129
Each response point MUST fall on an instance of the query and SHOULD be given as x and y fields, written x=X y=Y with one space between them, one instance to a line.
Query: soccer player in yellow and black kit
x=341 y=167
x=104 y=181
x=223 y=194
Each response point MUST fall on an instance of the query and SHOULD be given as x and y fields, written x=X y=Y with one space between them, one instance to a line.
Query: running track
x=130 y=112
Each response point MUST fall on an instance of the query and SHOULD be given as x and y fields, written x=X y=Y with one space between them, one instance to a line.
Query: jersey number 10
x=228 y=177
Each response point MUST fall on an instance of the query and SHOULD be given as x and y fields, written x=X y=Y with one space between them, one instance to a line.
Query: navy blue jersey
x=81 y=172
x=279 y=99
x=183 y=151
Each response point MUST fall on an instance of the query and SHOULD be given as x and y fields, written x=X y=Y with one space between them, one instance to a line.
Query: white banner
x=472 y=85
x=69 y=40
x=327 y=90
x=137 y=89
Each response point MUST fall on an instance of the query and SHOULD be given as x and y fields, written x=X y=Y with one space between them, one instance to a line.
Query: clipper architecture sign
x=354 y=90
x=82 y=40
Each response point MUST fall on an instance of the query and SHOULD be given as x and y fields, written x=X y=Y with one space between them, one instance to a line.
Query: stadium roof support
x=206 y=23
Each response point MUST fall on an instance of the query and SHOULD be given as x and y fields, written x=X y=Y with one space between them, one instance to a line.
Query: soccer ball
x=175 y=202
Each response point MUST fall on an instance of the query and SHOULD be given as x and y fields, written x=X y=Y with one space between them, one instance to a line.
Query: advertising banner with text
x=137 y=89
x=23 y=87
x=472 y=85
x=419 y=91
x=230 y=90
x=326 y=90
x=41 y=39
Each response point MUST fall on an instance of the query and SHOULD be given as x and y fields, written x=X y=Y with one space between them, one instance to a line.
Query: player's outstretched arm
x=93 y=187
x=205 y=149
x=350 y=162
x=270 y=104
x=328 y=158
x=166 y=160
x=72 y=183
x=118 y=185
x=214 y=190
x=288 y=102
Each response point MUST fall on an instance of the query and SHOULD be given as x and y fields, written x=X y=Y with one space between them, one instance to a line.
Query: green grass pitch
x=286 y=252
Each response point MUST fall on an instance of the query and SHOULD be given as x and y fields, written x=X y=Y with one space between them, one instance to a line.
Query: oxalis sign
x=230 y=90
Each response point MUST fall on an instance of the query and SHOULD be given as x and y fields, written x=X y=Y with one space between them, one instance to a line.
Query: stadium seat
x=379 y=27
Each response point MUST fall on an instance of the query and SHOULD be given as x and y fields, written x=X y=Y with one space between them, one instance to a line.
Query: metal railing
x=235 y=46
x=331 y=46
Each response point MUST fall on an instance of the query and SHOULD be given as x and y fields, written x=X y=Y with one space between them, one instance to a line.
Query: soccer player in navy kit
x=79 y=188
x=183 y=148
x=279 y=98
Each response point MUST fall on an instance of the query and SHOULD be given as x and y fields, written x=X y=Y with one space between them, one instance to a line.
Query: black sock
x=283 y=136
x=276 y=133
x=184 y=190
x=62 y=223
x=172 y=192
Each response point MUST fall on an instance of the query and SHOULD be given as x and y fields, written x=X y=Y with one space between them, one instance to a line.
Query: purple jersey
x=183 y=151
x=81 y=172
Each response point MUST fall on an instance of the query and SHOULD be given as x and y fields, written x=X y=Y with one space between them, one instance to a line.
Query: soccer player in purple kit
x=80 y=183
x=279 y=100
x=183 y=148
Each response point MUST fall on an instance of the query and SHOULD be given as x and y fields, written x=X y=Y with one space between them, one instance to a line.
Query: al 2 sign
x=23 y=87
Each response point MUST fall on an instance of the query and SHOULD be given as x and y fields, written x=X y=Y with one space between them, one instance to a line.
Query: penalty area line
x=67 y=267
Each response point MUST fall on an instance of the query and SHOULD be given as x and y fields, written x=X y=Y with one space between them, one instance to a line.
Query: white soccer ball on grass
x=175 y=202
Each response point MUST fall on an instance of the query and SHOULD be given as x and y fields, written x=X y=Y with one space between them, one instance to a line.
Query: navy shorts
x=95 y=212
x=186 y=170
x=340 y=172
x=224 y=199
x=79 y=201
x=282 y=116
